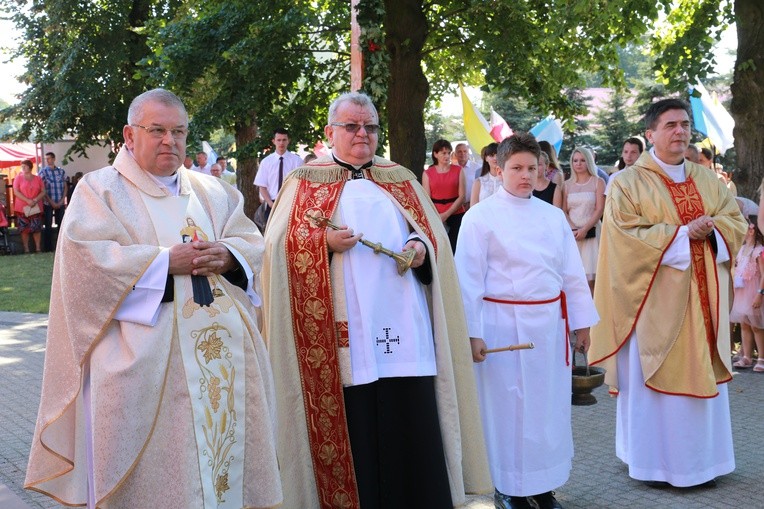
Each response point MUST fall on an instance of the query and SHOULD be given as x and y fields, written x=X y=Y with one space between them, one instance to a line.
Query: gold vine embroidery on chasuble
x=216 y=383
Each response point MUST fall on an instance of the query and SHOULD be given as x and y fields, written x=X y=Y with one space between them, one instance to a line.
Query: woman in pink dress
x=28 y=192
x=747 y=305
x=446 y=186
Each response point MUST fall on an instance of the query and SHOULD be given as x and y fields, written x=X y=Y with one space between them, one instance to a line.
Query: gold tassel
x=326 y=171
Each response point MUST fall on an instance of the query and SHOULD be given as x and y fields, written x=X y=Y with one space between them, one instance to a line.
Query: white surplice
x=520 y=249
x=388 y=318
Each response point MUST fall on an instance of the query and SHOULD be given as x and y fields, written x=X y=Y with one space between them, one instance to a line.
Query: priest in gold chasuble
x=376 y=396
x=157 y=389
x=663 y=286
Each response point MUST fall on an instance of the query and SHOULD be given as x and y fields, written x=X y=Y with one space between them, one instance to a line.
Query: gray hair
x=357 y=98
x=158 y=95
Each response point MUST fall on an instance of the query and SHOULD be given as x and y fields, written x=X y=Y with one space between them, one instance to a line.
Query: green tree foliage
x=242 y=66
x=614 y=123
x=238 y=62
x=533 y=49
x=537 y=49
x=682 y=45
x=82 y=59
x=8 y=127
x=251 y=66
x=438 y=126
x=248 y=66
x=578 y=130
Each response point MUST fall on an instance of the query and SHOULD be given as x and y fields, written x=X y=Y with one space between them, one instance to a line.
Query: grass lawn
x=25 y=282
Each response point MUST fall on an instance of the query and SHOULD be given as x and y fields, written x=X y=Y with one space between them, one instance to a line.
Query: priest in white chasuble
x=522 y=282
x=376 y=397
x=670 y=230
x=157 y=388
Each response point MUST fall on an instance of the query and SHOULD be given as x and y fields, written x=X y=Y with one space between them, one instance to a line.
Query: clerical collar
x=355 y=172
x=674 y=171
x=511 y=197
x=170 y=182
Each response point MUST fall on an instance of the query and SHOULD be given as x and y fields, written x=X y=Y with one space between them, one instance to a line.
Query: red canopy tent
x=11 y=154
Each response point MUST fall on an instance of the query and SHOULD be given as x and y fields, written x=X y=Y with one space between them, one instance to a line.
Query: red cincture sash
x=689 y=206
x=563 y=309
x=404 y=193
x=316 y=335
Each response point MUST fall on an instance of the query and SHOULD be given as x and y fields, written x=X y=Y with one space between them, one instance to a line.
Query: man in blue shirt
x=56 y=189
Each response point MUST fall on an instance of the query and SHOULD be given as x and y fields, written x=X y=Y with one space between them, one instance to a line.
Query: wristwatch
x=761 y=291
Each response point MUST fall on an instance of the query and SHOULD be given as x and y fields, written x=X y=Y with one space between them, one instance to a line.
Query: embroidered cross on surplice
x=387 y=340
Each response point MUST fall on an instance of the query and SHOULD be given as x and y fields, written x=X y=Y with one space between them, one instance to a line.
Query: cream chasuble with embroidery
x=170 y=427
x=664 y=335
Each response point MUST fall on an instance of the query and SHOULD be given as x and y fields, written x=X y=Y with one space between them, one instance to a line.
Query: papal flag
x=212 y=156
x=475 y=126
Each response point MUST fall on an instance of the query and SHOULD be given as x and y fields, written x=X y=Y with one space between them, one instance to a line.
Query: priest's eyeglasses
x=156 y=131
x=354 y=128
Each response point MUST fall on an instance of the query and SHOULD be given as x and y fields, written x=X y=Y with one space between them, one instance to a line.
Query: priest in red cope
x=376 y=396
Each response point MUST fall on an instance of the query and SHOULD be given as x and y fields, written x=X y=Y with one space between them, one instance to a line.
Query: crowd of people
x=386 y=344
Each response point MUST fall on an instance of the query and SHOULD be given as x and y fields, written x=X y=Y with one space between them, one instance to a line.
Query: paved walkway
x=598 y=481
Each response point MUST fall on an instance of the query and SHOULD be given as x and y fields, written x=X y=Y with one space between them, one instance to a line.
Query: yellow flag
x=475 y=126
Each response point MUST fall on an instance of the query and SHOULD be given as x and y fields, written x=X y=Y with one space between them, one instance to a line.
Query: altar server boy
x=522 y=281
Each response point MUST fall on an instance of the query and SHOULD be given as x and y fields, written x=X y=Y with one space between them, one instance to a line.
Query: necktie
x=281 y=170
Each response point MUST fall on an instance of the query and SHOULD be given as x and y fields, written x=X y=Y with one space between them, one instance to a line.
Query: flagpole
x=356 y=55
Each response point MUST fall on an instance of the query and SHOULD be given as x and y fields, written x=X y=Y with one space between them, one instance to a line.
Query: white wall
x=97 y=157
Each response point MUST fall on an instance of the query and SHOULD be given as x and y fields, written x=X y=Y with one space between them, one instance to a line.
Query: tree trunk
x=246 y=165
x=747 y=106
x=406 y=27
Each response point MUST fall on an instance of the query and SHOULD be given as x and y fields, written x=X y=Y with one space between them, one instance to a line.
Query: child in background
x=749 y=293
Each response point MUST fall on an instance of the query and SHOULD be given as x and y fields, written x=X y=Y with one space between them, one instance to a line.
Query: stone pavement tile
x=598 y=479
x=22 y=349
x=8 y=500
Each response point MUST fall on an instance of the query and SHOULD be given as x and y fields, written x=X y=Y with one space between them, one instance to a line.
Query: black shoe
x=546 y=501
x=658 y=485
x=502 y=501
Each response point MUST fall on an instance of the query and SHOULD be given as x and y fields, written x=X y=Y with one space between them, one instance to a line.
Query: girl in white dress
x=489 y=180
